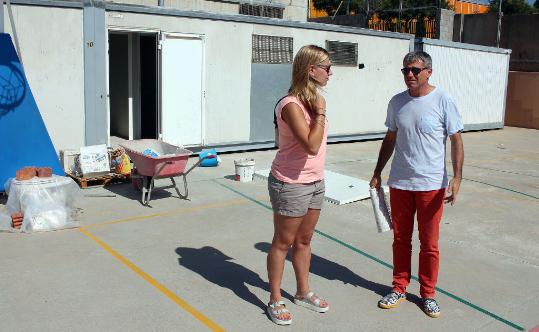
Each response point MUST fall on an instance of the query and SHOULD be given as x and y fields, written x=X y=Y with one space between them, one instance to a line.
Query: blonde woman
x=296 y=182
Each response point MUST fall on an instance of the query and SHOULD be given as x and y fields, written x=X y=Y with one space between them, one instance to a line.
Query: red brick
x=44 y=172
x=26 y=173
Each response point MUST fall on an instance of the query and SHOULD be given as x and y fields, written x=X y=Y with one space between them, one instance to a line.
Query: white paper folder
x=382 y=211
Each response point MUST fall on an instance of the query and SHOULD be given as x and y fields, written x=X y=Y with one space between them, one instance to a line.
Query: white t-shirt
x=423 y=125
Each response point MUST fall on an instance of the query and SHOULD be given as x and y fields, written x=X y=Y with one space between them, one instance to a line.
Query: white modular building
x=199 y=78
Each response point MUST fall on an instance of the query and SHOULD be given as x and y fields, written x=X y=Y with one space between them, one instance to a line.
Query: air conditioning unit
x=68 y=159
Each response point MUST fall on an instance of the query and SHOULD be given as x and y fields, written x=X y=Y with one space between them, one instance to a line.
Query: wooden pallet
x=101 y=180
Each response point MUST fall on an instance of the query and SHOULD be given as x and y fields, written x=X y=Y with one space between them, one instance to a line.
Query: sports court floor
x=199 y=264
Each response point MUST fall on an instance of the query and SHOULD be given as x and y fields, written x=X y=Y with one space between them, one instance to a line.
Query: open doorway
x=148 y=86
x=133 y=85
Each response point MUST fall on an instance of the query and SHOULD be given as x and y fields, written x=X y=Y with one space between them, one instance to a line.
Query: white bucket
x=245 y=168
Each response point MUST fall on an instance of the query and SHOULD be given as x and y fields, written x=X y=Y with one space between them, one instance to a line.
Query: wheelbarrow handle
x=208 y=156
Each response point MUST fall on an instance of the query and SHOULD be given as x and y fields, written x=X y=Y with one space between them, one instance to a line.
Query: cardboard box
x=94 y=160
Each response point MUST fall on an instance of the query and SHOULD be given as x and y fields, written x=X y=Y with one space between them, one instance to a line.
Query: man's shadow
x=334 y=271
x=218 y=268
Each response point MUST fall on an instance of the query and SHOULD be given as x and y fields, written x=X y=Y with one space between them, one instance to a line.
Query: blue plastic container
x=208 y=162
x=150 y=152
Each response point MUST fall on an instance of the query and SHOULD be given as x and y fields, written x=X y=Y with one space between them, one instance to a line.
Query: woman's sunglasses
x=325 y=67
x=414 y=70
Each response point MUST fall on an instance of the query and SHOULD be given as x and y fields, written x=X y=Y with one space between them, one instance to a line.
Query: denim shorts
x=294 y=199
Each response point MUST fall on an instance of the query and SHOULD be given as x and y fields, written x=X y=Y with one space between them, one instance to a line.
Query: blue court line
x=363 y=253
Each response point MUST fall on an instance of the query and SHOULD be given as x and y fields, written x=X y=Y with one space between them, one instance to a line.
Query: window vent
x=342 y=53
x=261 y=10
x=272 y=49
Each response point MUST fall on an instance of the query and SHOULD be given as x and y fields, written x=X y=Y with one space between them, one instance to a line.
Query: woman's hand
x=320 y=105
x=309 y=136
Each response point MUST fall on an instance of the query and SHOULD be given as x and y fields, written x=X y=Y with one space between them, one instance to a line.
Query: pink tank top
x=292 y=164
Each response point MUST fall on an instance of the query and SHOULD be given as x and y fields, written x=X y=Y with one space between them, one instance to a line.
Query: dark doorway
x=148 y=86
x=119 y=85
x=133 y=85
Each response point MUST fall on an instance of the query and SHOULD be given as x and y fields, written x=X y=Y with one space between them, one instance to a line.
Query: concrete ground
x=199 y=264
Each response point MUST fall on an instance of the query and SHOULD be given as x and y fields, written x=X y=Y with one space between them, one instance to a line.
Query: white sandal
x=275 y=313
x=308 y=302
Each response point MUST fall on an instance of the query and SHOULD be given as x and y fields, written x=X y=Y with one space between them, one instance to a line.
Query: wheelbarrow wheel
x=136 y=183
x=136 y=180
x=147 y=186
x=143 y=184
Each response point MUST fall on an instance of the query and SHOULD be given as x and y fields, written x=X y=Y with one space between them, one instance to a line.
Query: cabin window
x=272 y=49
x=342 y=53
x=261 y=10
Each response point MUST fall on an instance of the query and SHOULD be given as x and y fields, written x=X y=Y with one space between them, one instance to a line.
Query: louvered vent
x=261 y=10
x=342 y=53
x=272 y=49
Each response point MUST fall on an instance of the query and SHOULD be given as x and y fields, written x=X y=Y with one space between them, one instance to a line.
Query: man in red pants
x=419 y=120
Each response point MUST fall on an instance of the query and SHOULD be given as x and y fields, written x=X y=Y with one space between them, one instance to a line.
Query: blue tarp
x=25 y=140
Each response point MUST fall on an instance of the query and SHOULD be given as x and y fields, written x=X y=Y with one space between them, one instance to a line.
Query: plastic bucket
x=245 y=169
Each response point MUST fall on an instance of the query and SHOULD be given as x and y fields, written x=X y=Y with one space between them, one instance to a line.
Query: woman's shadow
x=218 y=268
x=334 y=271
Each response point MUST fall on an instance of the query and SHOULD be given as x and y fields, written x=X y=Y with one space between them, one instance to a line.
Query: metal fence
x=420 y=27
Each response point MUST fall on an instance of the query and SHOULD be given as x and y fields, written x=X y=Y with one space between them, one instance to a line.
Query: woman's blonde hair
x=303 y=86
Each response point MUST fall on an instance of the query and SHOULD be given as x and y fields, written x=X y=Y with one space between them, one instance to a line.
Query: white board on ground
x=340 y=189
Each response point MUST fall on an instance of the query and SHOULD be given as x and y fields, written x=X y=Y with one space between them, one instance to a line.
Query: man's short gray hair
x=418 y=56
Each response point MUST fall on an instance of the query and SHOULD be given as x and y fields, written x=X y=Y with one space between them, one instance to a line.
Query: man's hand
x=376 y=181
x=452 y=191
x=457 y=158
x=386 y=150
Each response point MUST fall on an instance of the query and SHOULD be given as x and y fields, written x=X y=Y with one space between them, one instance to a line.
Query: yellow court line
x=168 y=293
x=169 y=213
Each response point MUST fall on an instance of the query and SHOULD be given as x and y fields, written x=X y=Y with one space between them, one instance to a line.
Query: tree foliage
x=510 y=7
x=330 y=6
x=383 y=8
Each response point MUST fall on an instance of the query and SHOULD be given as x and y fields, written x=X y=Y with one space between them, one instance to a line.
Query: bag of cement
x=382 y=212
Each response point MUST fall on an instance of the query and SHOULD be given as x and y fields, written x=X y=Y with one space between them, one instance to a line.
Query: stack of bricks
x=16 y=220
x=26 y=173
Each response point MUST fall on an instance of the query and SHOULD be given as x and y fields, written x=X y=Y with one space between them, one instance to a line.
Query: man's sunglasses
x=414 y=70
x=326 y=68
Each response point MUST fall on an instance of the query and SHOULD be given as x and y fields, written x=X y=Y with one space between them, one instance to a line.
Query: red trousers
x=429 y=207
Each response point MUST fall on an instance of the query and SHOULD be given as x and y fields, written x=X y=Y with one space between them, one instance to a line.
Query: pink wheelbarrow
x=152 y=160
